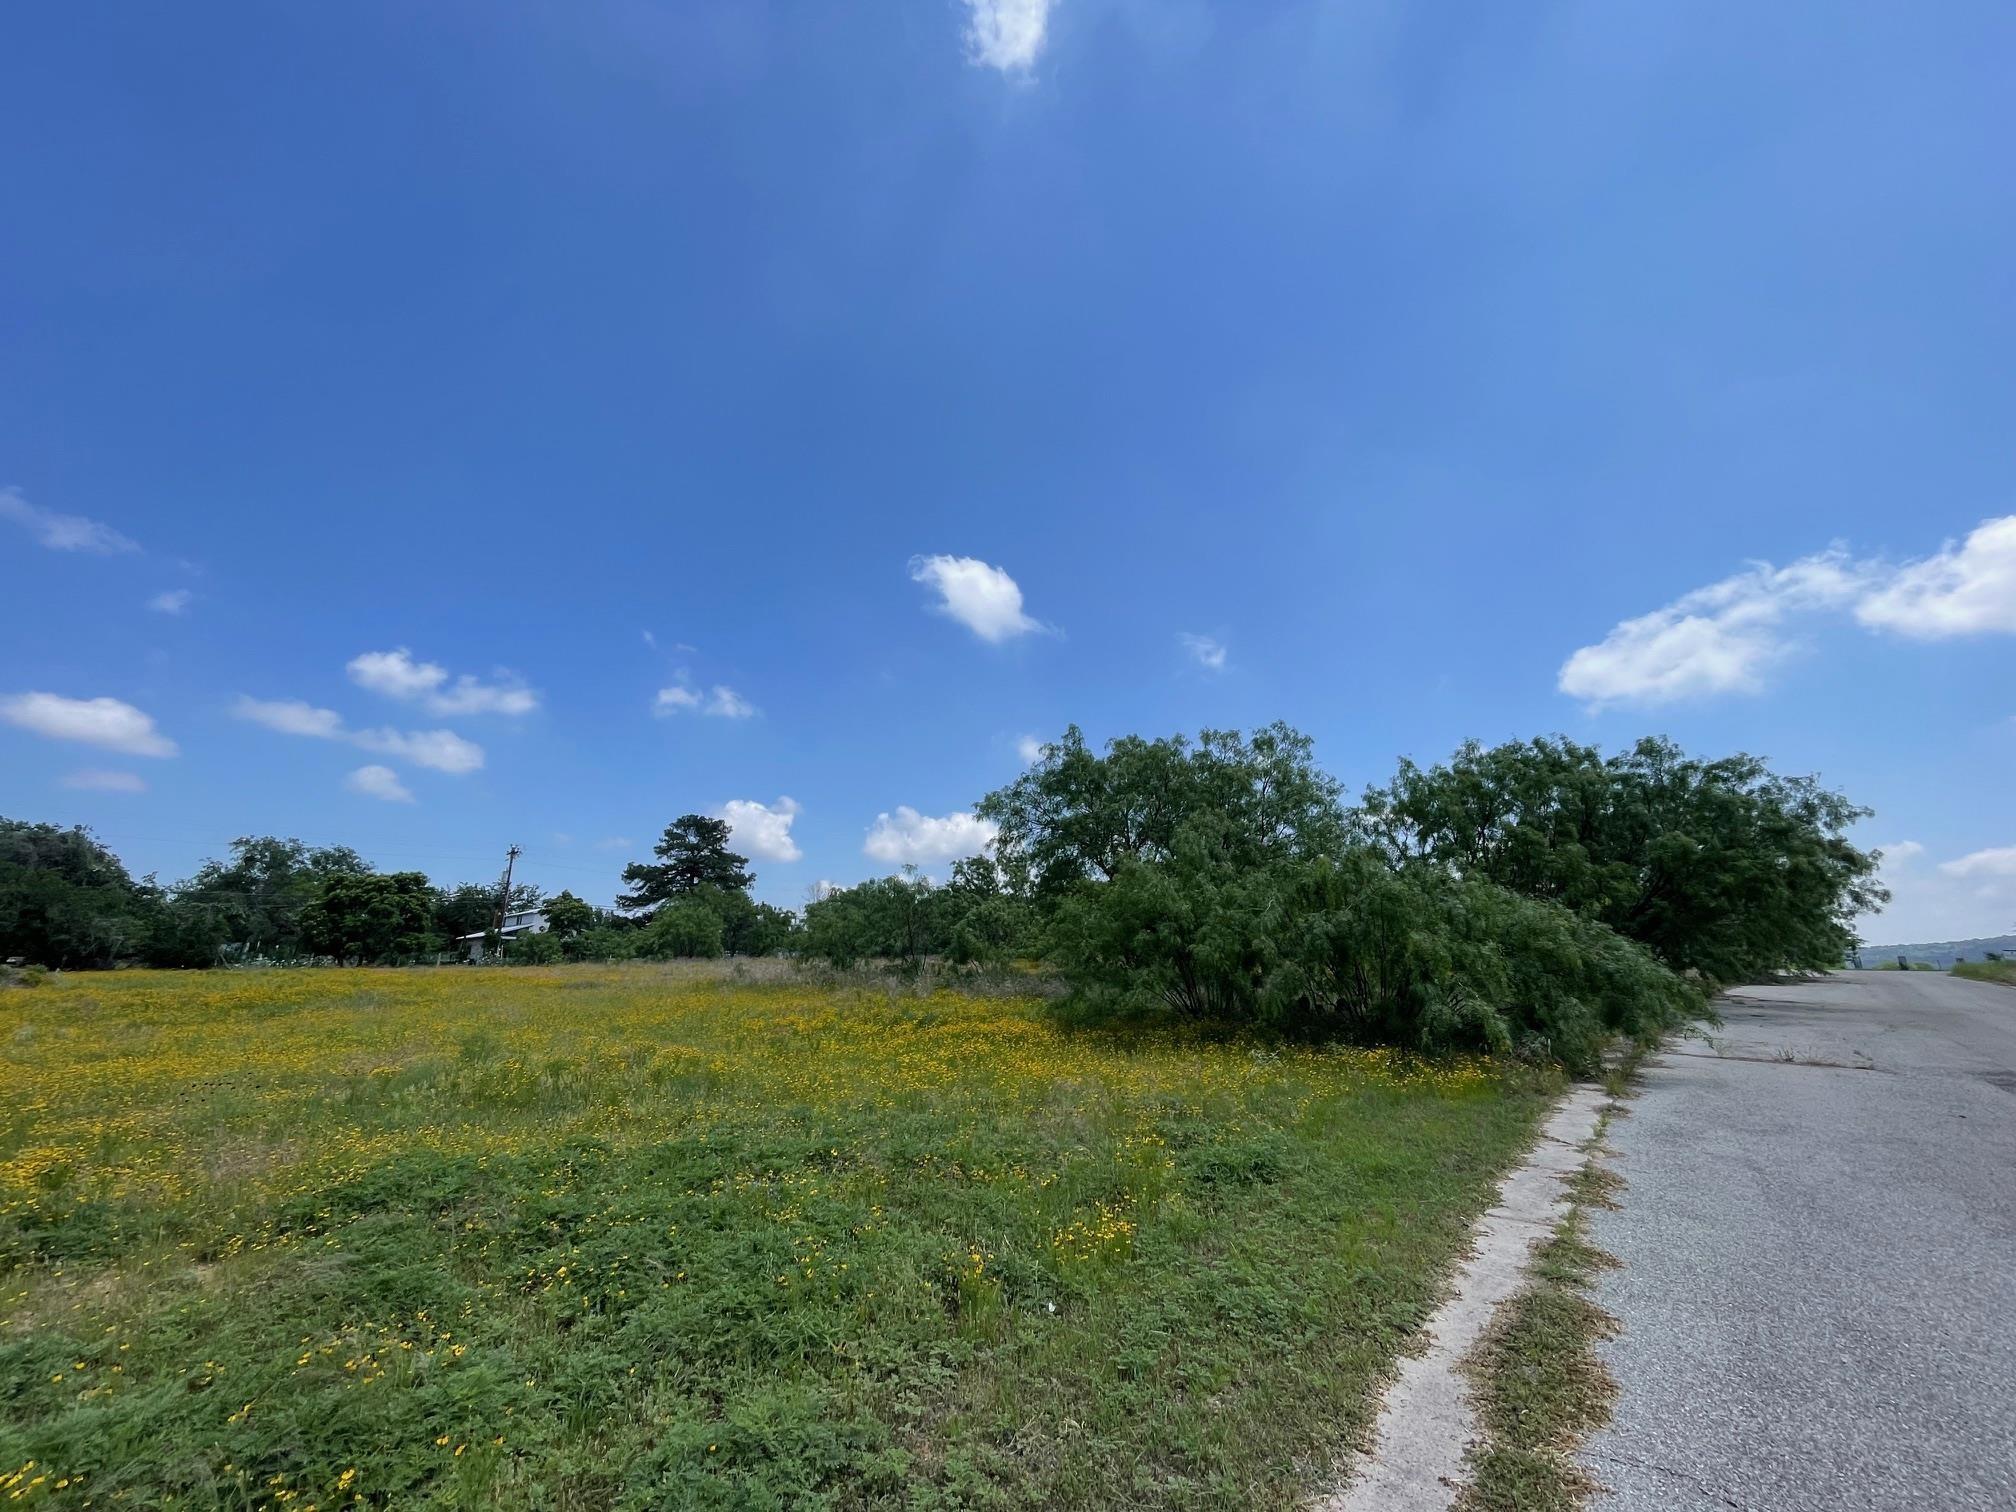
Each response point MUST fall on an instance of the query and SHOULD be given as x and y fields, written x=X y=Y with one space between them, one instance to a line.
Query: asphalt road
x=1818 y=1238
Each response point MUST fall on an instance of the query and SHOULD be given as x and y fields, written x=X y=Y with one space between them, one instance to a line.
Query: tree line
x=1533 y=895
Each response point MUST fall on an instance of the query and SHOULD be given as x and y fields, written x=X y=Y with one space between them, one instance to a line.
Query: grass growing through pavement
x=1539 y=1386
x=647 y=1237
x=1987 y=971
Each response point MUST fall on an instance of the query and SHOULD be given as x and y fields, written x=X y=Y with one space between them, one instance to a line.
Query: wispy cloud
x=719 y=702
x=105 y=782
x=1717 y=639
x=171 y=601
x=379 y=782
x=291 y=716
x=1960 y=899
x=1997 y=861
x=395 y=674
x=1206 y=650
x=62 y=532
x=1029 y=748
x=907 y=837
x=440 y=750
x=1006 y=34
x=109 y=723
x=982 y=597
x=1725 y=637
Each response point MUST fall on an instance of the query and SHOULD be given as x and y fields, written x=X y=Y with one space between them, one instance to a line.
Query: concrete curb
x=1426 y=1423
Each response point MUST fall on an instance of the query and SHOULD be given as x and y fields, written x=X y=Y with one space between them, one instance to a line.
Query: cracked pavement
x=1818 y=1288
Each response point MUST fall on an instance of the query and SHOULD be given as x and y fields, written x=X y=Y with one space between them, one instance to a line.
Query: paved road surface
x=1819 y=1281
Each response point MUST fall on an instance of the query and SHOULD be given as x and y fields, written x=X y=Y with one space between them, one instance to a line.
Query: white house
x=520 y=921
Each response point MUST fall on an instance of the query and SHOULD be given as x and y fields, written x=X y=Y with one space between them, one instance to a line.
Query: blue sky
x=929 y=376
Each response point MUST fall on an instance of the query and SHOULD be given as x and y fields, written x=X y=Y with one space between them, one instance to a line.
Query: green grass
x=642 y=1237
x=1539 y=1386
x=1987 y=971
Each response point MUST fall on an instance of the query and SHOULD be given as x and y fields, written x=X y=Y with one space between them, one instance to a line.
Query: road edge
x=1427 y=1420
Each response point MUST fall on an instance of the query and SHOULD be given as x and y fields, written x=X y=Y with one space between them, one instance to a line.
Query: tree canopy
x=370 y=917
x=1076 y=815
x=1720 y=866
x=692 y=855
x=67 y=901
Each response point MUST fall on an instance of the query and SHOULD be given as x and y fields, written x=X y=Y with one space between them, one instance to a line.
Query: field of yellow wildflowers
x=658 y=1237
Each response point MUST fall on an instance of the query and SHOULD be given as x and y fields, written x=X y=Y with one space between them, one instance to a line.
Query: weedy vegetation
x=651 y=1236
x=1987 y=971
x=1541 y=1390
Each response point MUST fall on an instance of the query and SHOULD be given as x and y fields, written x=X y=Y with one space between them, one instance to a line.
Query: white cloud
x=105 y=782
x=1998 y=861
x=614 y=842
x=907 y=837
x=1208 y=651
x=674 y=700
x=1723 y=638
x=1029 y=748
x=762 y=830
x=291 y=716
x=1006 y=34
x=1718 y=639
x=1962 y=899
x=61 y=532
x=396 y=674
x=720 y=701
x=106 y=722
x=378 y=782
x=1967 y=589
x=982 y=598
x=442 y=750
x=170 y=601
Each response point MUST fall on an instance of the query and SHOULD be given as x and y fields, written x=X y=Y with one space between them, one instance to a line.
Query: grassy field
x=1988 y=971
x=651 y=1237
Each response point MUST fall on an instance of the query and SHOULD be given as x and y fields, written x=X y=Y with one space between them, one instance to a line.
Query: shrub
x=602 y=944
x=537 y=948
x=1348 y=947
x=682 y=930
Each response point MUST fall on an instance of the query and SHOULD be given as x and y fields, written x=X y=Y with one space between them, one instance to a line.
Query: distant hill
x=1942 y=954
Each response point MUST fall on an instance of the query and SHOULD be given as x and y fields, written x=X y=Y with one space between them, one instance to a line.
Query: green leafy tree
x=567 y=916
x=372 y=918
x=1346 y=946
x=534 y=948
x=1721 y=866
x=602 y=943
x=68 y=902
x=692 y=855
x=749 y=928
x=898 y=918
x=256 y=898
x=982 y=922
x=188 y=933
x=685 y=929
x=1077 y=816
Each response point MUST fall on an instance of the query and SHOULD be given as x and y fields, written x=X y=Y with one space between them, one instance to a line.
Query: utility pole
x=504 y=893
